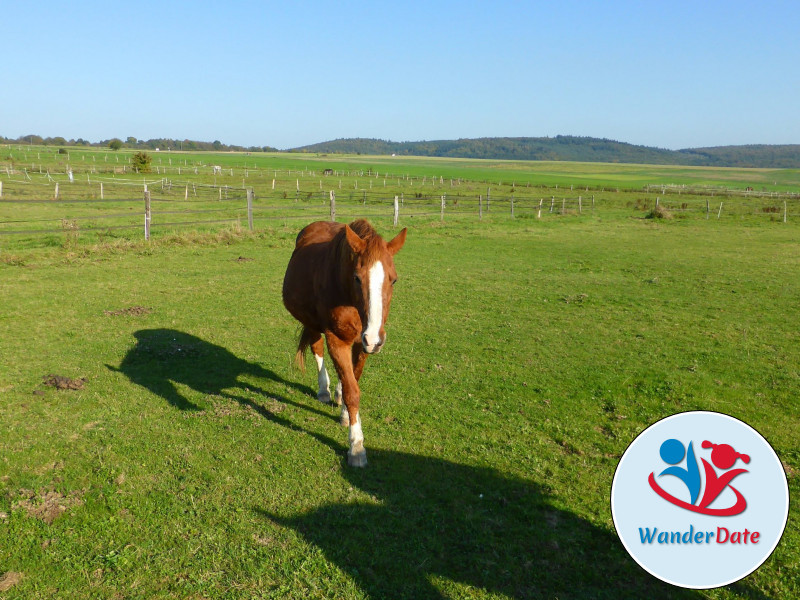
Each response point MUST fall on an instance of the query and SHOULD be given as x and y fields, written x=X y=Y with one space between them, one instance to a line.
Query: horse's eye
x=357 y=278
x=394 y=281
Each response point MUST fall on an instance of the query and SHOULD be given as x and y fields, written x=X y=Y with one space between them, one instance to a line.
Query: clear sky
x=671 y=74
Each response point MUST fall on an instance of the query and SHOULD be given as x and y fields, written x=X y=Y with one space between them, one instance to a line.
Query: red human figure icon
x=724 y=457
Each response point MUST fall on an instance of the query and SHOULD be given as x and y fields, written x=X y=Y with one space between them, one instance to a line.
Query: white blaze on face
x=372 y=334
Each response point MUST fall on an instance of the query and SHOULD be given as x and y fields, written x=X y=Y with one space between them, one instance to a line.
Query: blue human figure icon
x=672 y=453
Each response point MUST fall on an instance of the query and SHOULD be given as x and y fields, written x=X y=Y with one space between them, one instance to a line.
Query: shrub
x=659 y=212
x=141 y=162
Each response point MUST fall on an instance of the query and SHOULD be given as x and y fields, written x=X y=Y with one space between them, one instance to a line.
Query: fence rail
x=23 y=213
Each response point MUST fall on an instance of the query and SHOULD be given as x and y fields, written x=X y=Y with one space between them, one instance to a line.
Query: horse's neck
x=337 y=268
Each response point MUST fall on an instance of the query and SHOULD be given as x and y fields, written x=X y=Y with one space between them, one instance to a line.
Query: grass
x=497 y=172
x=523 y=357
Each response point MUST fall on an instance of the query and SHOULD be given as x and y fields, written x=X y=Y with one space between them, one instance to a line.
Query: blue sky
x=668 y=74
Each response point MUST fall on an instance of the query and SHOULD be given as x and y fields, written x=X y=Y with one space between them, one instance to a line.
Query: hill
x=570 y=148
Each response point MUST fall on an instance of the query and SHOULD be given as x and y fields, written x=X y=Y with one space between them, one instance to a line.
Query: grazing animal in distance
x=339 y=284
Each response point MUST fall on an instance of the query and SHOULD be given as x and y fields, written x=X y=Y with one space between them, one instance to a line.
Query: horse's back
x=319 y=232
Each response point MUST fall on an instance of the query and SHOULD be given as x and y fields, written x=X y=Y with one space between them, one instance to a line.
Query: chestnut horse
x=339 y=283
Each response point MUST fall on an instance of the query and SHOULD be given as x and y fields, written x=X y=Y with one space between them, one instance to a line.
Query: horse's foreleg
x=342 y=357
x=323 y=381
x=359 y=358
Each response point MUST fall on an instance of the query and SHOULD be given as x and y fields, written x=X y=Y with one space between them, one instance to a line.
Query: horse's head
x=372 y=280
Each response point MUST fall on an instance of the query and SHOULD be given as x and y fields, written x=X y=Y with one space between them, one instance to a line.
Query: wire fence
x=56 y=203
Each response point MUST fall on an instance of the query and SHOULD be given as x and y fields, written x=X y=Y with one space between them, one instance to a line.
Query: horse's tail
x=306 y=339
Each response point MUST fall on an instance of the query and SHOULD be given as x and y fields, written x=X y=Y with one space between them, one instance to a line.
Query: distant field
x=104 y=200
x=520 y=172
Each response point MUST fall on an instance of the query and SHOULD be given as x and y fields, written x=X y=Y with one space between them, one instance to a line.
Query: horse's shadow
x=428 y=522
x=164 y=358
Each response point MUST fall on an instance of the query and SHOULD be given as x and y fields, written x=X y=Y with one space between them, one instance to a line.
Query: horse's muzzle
x=372 y=348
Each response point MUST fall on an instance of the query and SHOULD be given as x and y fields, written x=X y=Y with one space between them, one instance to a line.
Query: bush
x=659 y=212
x=141 y=162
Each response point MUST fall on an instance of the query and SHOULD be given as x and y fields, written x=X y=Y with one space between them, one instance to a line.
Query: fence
x=47 y=202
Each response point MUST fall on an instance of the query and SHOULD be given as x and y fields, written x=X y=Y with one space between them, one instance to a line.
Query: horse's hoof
x=324 y=397
x=357 y=459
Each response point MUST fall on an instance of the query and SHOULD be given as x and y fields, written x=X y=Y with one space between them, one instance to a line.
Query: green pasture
x=521 y=173
x=103 y=203
x=523 y=356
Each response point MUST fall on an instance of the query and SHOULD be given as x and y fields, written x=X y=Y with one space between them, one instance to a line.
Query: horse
x=339 y=284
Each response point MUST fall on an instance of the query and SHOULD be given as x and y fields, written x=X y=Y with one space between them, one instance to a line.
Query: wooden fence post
x=1 y=189
x=480 y=207
x=708 y=209
x=552 y=203
x=147 y=213
x=249 y=207
x=580 y=205
x=784 y=205
x=441 y=218
x=333 y=206
x=55 y=196
x=512 y=207
x=396 y=211
x=720 y=210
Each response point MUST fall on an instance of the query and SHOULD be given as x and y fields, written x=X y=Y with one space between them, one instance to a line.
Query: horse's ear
x=397 y=243
x=356 y=243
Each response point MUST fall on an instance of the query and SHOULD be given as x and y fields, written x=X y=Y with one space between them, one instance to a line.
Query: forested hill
x=570 y=148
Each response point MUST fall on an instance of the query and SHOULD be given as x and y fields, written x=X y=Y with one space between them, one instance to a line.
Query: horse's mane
x=375 y=244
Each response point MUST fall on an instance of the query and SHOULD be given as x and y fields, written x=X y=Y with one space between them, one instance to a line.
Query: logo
x=723 y=457
x=700 y=500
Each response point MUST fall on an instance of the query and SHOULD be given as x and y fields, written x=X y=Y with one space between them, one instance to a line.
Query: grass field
x=523 y=357
x=564 y=174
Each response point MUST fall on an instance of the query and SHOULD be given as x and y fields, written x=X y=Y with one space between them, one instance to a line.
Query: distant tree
x=115 y=144
x=141 y=162
x=32 y=139
x=131 y=141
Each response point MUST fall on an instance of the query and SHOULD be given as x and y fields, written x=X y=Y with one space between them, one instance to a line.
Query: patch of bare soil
x=131 y=311
x=9 y=580
x=64 y=383
x=243 y=259
x=47 y=506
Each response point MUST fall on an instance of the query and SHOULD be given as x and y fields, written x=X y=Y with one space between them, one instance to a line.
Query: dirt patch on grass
x=243 y=259
x=47 y=506
x=9 y=580
x=131 y=311
x=64 y=383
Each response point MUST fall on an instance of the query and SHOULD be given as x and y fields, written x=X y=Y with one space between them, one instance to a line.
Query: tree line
x=134 y=143
x=570 y=148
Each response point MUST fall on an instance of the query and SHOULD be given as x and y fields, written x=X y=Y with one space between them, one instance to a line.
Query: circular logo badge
x=700 y=500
